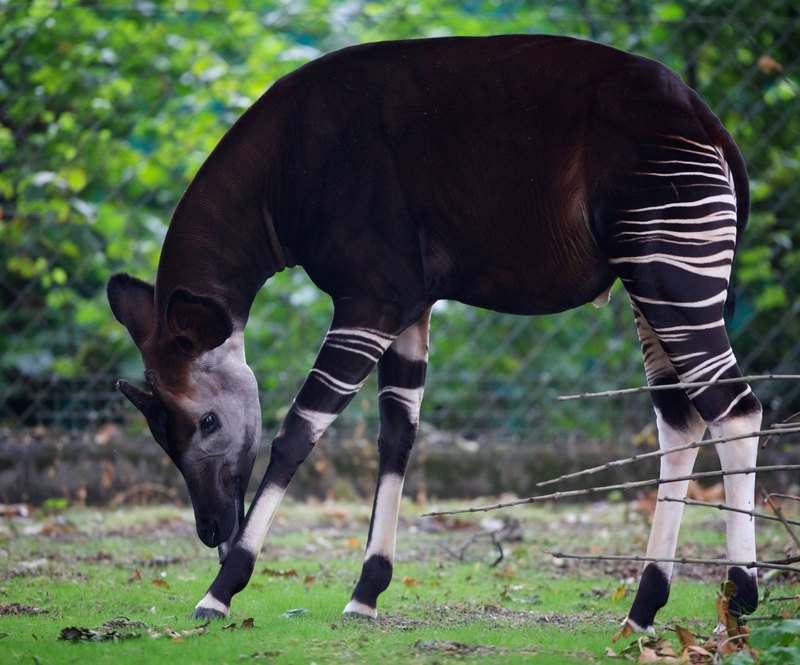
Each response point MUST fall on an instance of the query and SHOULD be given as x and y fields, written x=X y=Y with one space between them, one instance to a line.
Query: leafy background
x=107 y=109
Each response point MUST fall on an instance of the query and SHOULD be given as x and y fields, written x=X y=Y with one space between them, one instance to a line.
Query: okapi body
x=522 y=174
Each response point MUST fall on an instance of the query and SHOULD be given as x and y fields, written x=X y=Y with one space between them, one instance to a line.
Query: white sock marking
x=210 y=603
x=355 y=607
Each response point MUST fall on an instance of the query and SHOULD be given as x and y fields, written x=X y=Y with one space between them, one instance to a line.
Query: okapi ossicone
x=522 y=174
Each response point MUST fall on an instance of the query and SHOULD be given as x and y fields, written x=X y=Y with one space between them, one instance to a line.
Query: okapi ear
x=198 y=323
x=133 y=304
x=151 y=409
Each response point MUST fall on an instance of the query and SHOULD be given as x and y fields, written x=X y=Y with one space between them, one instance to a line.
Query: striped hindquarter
x=673 y=250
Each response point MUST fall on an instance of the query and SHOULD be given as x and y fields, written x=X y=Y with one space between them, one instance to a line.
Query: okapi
x=522 y=174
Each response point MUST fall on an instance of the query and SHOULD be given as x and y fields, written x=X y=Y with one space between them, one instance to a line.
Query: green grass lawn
x=137 y=574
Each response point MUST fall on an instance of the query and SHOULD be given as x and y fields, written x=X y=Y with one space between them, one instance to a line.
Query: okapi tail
x=741 y=187
x=734 y=165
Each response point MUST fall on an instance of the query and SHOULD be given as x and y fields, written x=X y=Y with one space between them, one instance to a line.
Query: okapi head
x=203 y=406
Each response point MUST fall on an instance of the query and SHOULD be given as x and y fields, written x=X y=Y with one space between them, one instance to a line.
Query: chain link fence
x=107 y=109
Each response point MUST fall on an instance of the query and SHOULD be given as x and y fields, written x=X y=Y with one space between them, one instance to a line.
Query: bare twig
x=499 y=547
x=492 y=535
x=779 y=514
x=608 y=488
x=660 y=453
x=787 y=560
x=791 y=497
x=683 y=560
x=779 y=599
x=722 y=506
x=683 y=386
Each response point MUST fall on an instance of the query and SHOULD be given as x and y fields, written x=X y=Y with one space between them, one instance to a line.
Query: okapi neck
x=221 y=248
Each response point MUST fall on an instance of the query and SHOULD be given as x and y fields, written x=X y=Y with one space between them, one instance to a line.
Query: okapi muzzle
x=203 y=408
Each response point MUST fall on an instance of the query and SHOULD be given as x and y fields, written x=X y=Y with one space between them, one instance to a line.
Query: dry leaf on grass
x=272 y=572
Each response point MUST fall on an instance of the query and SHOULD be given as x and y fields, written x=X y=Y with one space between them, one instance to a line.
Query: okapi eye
x=208 y=423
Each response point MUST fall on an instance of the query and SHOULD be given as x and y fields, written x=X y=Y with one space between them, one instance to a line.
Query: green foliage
x=776 y=643
x=108 y=109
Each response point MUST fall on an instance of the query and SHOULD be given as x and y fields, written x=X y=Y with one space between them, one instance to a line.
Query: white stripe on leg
x=739 y=489
x=259 y=519
x=668 y=514
x=387 y=512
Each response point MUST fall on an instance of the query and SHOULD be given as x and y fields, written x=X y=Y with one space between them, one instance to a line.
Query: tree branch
x=684 y=560
x=779 y=514
x=722 y=506
x=683 y=386
x=661 y=453
x=609 y=488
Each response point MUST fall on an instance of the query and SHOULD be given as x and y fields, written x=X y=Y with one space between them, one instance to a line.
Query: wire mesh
x=108 y=109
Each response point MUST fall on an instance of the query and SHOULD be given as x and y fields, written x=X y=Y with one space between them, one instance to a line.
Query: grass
x=143 y=570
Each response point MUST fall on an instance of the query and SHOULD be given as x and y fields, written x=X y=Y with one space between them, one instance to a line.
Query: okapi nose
x=209 y=532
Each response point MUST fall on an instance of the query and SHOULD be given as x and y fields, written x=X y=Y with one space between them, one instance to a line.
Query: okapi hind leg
x=672 y=246
x=401 y=382
x=678 y=425
x=352 y=347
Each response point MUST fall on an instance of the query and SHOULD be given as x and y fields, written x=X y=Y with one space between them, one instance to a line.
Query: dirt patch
x=451 y=648
x=17 y=609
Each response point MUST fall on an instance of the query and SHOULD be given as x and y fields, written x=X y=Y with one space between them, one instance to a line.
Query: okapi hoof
x=630 y=627
x=360 y=610
x=207 y=613
x=210 y=608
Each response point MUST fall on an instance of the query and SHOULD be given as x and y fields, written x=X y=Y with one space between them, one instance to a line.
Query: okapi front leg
x=346 y=358
x=401 y=381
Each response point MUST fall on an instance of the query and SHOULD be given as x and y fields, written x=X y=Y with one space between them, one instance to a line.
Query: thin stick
x=662 y=453
x=722 y=506
x=684 y=560
x=791 y=497
x=608 y=488
x=683 y=386
x=779 y=514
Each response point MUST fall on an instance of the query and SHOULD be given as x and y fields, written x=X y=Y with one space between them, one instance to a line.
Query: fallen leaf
x=279 y=572
x=696 y=655
x=620 y=593
x=161 y=582
x=309 y=579
x=249 y=622
x=410 y=581
x=624 y=632
x=649 y=656
x=685 y=637
x=289 y=614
